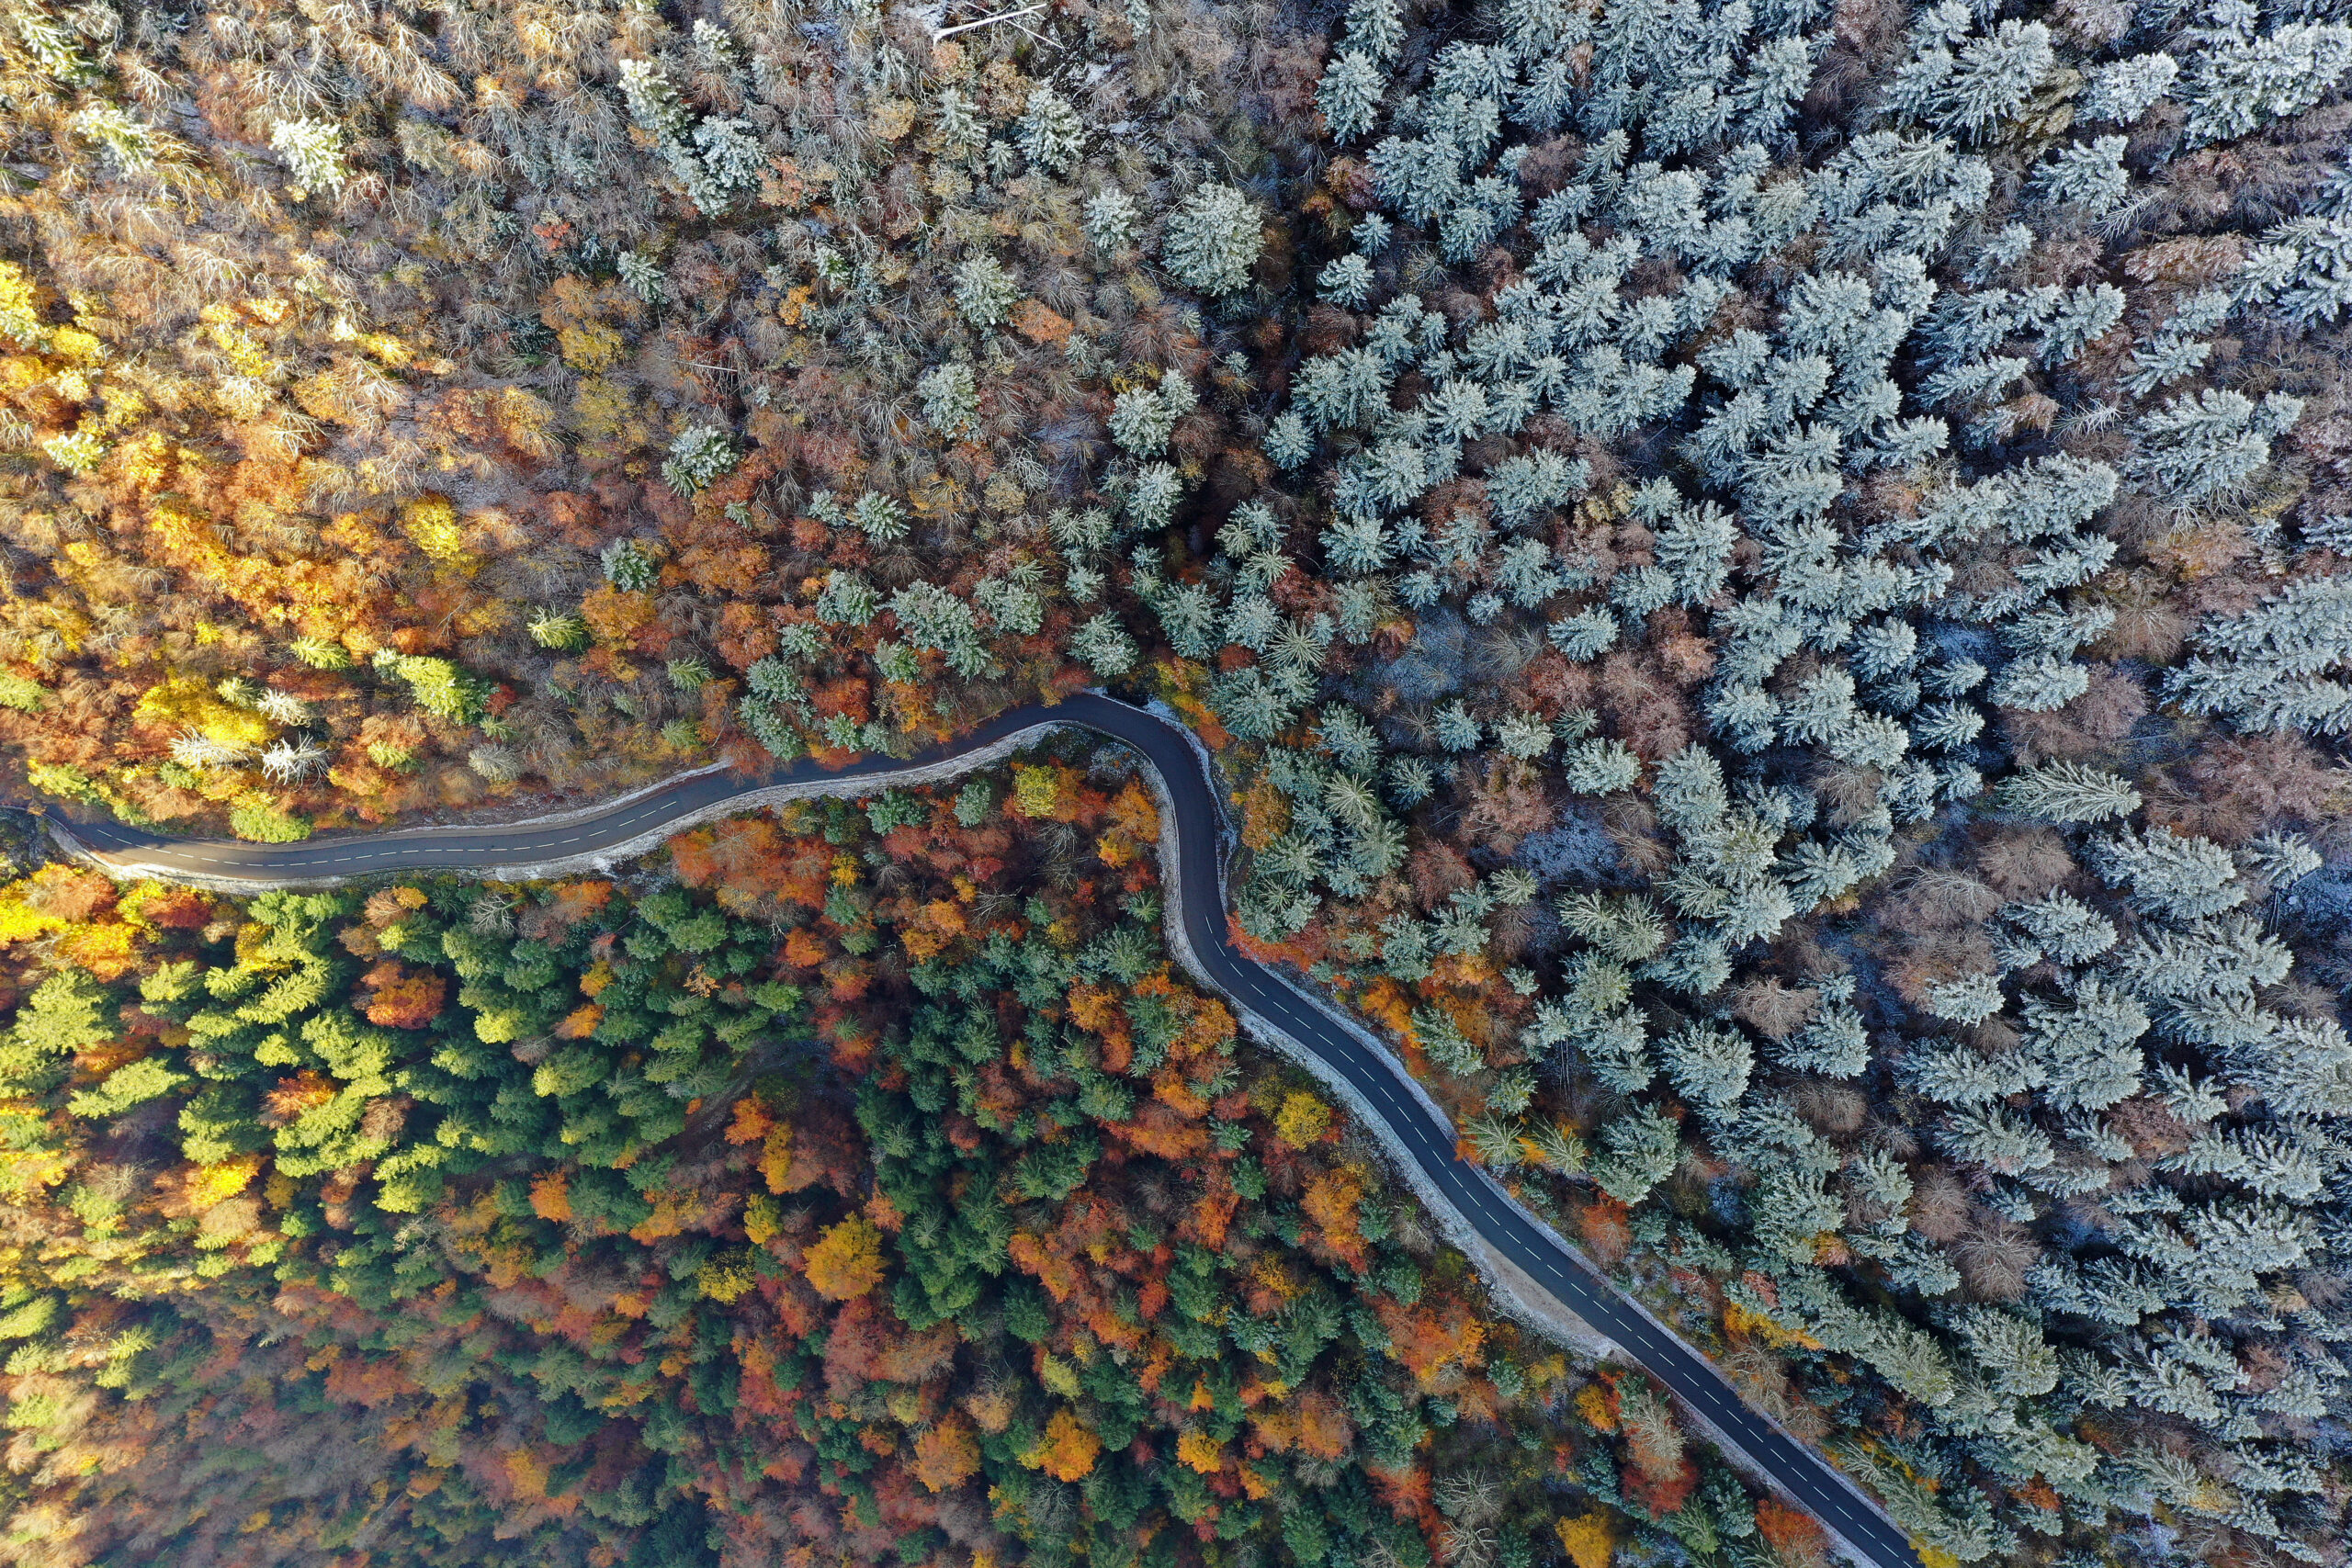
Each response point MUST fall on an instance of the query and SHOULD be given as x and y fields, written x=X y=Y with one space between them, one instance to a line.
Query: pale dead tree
x=293 y=759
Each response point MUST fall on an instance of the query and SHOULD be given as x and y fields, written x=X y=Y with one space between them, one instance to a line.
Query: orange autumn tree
x=1069 y=1448
x=401 y=998
x=947 y=1455
x=1794 y=1535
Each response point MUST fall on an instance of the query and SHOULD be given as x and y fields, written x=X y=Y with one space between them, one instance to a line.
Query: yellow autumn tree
x=1036 y=791
x=1589 y=1540
x=846 y=1261
x=1302 y=1120
x=1201 y=1452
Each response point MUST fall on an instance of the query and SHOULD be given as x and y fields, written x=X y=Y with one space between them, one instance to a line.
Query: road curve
x=1415 y=1131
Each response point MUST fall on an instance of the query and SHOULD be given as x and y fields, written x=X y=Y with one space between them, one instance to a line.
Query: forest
x=579 y=1223
x=1767 y=582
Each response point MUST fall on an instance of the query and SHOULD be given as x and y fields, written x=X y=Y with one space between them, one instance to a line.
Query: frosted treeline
x=1890 y=331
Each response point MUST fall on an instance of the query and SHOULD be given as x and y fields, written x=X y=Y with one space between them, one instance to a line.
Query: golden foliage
x=204 y=1186
x=1589 y=1539
x=846 y=1261
x=590 y=347
x=1069 y=1448
x=616 y=616
x=1265 y=815
x=1303 y=1120
x=551 y=1196
x=188 y=702
x=431 y=523
x=1201 y=1452
x=1592 y=1404
x=1037 y=792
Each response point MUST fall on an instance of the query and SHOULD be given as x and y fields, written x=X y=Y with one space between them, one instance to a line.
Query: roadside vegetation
x=856 y=1183
x=1768 y=580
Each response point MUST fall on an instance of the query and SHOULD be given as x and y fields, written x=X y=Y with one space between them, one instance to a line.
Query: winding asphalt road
x=1413 y=1130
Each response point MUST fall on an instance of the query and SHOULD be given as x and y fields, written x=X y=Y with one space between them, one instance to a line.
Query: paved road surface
x=1415 y=1131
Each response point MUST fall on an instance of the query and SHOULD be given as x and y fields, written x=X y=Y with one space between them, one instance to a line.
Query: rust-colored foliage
x=1792 y=1534
x=947 y=1455
x=403 y=997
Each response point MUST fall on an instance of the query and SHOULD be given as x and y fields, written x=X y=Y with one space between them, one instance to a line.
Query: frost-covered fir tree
x=1213 y=240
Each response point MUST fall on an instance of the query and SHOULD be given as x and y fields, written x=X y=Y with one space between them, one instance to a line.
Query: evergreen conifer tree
x=1213 y=240
x=2066 y=792
x=1710 y=1064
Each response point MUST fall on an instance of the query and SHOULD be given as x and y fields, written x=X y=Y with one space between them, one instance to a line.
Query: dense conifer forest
x=1770 y=583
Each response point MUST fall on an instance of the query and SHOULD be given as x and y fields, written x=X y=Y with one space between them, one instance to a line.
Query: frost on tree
x=1213 y=240
x=2273 y=667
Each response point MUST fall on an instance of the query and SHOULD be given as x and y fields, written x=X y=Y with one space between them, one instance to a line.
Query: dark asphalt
x=1419 y=1133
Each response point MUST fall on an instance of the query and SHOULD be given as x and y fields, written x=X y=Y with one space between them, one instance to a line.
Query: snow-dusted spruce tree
x=2066 y=792
x=313 y=150
x=1213 y=240
x=1051 y=134
x=1626 y=340
x=950 y=402
x=985 y=291
x=629 y=566
x=715 y=158
x=2202 y=448
x=2268 y=667
x=700 y=454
